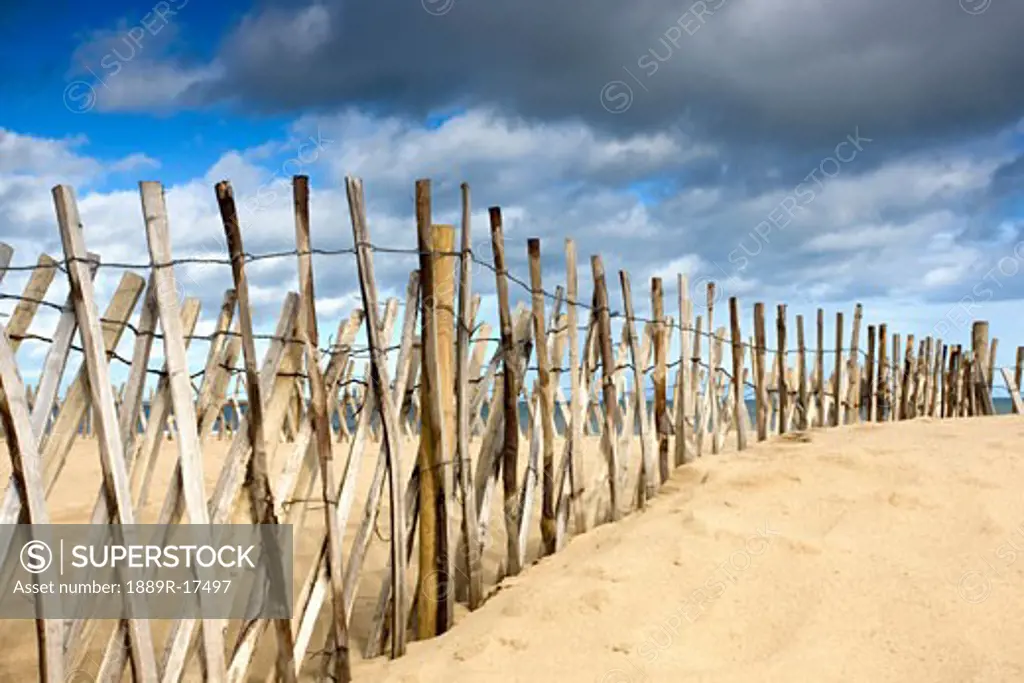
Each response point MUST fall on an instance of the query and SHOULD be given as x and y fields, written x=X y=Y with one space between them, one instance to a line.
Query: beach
x=885 y=552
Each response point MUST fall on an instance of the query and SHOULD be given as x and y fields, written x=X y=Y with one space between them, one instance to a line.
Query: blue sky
x=840 y=153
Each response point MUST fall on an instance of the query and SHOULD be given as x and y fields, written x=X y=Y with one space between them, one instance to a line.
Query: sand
x=875 y=553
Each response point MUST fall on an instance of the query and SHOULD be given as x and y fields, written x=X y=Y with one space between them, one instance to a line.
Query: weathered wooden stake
x=610 y=439
x=819 y=369
x=470 y=526
x=546 y=398
x=783 y=387
x=577 y=409
x=433 y=596
x=683 y=406
x=101 y=394
x=510 y=403
x=870 y=376
x=737 y=373
x=761 y=395
x=659 y=377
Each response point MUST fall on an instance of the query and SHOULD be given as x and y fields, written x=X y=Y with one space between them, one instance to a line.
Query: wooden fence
x=440 y=395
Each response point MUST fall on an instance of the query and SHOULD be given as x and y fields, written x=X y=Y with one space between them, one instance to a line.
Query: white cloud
x=900 y=228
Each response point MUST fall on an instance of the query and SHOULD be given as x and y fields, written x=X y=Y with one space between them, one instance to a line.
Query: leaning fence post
x=737 y=373
x=870 y=376
x=897 y=380
x=547 y=426
x=378 y=371
x=660 y=371
x=260 y=494
x=783 y=380
x=682 y=395
x=698 y=404
x=992 y=362
x=761 y=392
x=510 y=400
x=101 y=394
x=577 y=409
x=647 y=473
x=469 y=517
x=927 y=363
x=610 y=445
x=801 y=367
x=941 y=410
x=819 y=369
x=883 y=394
x=837 y=377
x=1019 y=368
x=853 y=370
x=23 y=447
x=712 y=371
x=908 y=378
x=936 y=373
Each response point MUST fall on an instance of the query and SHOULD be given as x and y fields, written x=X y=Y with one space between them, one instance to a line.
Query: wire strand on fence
x=363 y=352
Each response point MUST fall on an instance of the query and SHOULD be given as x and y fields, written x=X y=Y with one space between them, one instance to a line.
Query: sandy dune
x=874 y=553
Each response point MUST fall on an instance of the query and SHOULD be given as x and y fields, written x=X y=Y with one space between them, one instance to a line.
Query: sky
x=817 y=153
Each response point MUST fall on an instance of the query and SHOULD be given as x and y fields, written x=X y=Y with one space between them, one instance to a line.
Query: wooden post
x=883 y=397
x=695 y=377
x=720 y=387
x=682 y=393
x=936 y=377
x=897 y=383
x=647 y=473
x=660 y=372
x=260 y=494
x=948 y=382
x=546 y=398
x=433 y=595
x=101 y=394
x=381 y=384
x=610 y=438
x=469 y=517
x=819 y=369
x=940 y=410
x=781 y=354
x=837 y=377
x=712 y=372
x=908 y=378
x=737 y=373
x=956 y=383
x=577 y=409
x=979 y=353
x=23 y=447
x=761 y=392
x=801 y=375
x=927 y=362
x=443 y=245
x=189 y=450
x=1018 y=371
x=510 y=402
x=853 y=370
x=992 y=362
x=974 y=378
x=870 y=376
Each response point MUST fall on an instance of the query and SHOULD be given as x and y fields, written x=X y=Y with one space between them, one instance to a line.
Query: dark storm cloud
x=765 y=74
